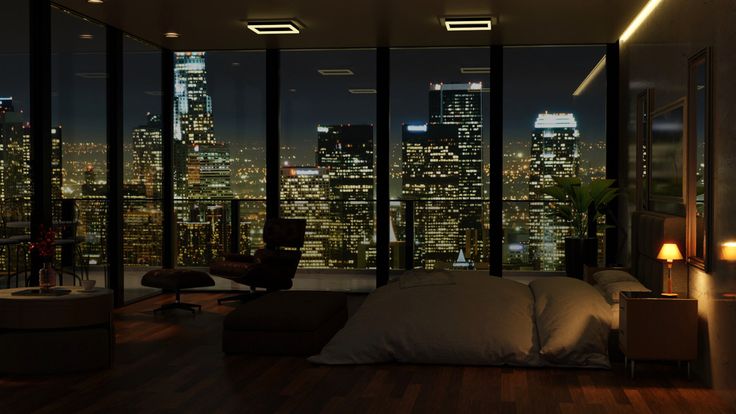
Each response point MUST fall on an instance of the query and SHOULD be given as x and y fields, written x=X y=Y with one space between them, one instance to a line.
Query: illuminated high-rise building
x=431 y=175
x=554 y=153
x=147 y=156
x=208 y=172
x=461 y=104
x=346 y=154
x=15 y=158
x=57 y=171
x=304 y=194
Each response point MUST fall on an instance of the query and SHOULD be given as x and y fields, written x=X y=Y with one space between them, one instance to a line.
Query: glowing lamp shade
x=669 y=252
x=728 y=251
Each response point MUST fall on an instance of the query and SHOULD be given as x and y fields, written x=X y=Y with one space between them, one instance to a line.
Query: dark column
x=383 y=164
x=495 y=236
x=167 y=138
x=273 y=127
x=115 y=162
x=612 y=147
x=40 y=120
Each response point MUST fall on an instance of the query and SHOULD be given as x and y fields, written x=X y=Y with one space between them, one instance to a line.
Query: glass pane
x=219 y=140
x=554 y=126
x=327 y=115
x=701 y=108
x=15 y=148
x=79 y=144
x=143 y=174
x=439 y=152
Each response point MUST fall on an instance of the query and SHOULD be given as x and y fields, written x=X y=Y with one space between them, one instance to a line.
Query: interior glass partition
x=554 y=125
x=79 y=145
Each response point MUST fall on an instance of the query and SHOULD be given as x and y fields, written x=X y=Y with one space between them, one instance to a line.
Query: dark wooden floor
x=173 y=364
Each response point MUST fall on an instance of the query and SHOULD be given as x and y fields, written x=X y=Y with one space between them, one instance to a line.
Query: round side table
x=56 y=334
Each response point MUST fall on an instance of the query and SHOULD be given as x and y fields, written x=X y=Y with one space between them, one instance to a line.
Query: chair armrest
x=243 y=258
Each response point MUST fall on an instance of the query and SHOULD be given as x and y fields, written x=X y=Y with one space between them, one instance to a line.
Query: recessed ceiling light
x=475 y=70
x=171 y=35
x=95 y=1
x=335 y=72
x=86 y=36
x=453 y=24
x=362 y=91
x=274 y=27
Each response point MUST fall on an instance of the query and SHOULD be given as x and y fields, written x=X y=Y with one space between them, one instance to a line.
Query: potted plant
x=580 y=205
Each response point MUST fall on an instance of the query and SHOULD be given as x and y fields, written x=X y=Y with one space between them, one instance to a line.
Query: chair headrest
x=284 y=232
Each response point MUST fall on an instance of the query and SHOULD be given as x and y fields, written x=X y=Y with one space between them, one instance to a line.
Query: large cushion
x=174 y=279
x=285 y=323
x=605 y=277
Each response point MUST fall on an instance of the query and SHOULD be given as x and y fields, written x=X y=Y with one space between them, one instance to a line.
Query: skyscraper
x=346 y=154
x=554 y=153
x=304 y=191
x=15 y=158
x=147 y=156
x=431 y=175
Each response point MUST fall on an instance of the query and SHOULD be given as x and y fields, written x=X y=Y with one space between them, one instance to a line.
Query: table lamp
x=728 y=251
x=669 y=253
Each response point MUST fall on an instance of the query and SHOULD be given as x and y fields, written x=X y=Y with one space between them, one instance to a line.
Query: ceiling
x=219 y=24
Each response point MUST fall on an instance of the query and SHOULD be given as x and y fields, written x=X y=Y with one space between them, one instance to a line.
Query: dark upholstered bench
x=285 y=323
x=176 y=280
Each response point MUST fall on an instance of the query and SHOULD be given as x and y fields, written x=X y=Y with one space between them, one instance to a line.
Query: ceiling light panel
x=335 y=72
x=455 y=24
x=274 y=27
x=475 y=70
x=362 y=91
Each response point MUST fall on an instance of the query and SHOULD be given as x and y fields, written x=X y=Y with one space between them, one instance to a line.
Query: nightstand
x=657 y=328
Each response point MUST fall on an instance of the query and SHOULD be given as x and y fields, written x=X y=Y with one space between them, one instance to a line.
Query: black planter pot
x=579 y=252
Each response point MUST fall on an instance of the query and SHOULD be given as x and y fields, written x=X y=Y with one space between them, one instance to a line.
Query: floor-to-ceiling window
x=15 y=147
x=79 y=144
x=554 y=126
x=219 y=153
x=143 y=171
x=439 y=156
x=328 y=110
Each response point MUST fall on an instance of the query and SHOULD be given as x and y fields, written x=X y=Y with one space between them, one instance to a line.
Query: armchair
x=271 y=268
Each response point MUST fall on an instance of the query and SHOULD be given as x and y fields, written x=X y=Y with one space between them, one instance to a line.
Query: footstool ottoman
x=297 y=323
x=176 y=280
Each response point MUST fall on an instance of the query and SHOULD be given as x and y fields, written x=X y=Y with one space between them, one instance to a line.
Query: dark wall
x=656 y=57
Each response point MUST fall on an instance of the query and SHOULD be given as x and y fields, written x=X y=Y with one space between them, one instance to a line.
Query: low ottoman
x=295 y=323
x=176 y=280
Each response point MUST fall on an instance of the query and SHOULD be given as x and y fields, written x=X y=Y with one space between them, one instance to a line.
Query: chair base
x=179 y=305
x=242 y=298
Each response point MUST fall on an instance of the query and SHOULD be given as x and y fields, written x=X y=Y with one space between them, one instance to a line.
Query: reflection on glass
x=700 y=160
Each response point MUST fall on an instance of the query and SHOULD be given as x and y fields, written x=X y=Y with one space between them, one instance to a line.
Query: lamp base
x=670 y=295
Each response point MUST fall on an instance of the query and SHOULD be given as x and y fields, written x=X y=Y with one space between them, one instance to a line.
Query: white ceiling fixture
x=335 y=72
x=171 y=35
x=475 y=70
x=639 y=19
x=95 y=1
x=274 y=27
x=362 y=91
x=456 y=24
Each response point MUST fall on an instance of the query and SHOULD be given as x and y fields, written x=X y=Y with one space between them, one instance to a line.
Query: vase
x=579 y=252
x=46 y=277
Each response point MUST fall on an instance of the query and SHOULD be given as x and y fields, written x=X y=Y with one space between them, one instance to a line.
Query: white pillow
x=612 y=290
x=605 y=277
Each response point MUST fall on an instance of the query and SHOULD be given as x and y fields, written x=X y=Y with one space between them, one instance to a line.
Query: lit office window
x=439 y=156
x=554 y=126
x=328 y=110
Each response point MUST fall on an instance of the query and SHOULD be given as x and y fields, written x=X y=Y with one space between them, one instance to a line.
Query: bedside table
x=653 y=327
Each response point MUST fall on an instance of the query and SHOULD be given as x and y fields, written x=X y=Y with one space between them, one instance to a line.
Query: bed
x=468 y=319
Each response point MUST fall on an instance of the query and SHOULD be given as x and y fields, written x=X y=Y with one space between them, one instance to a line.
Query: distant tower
x=304 y=194
x=346 y=154
x=554 y=153
x=147 y=156
x=15 y=158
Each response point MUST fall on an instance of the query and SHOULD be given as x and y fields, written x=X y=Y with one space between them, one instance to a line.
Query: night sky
x=535 y=79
